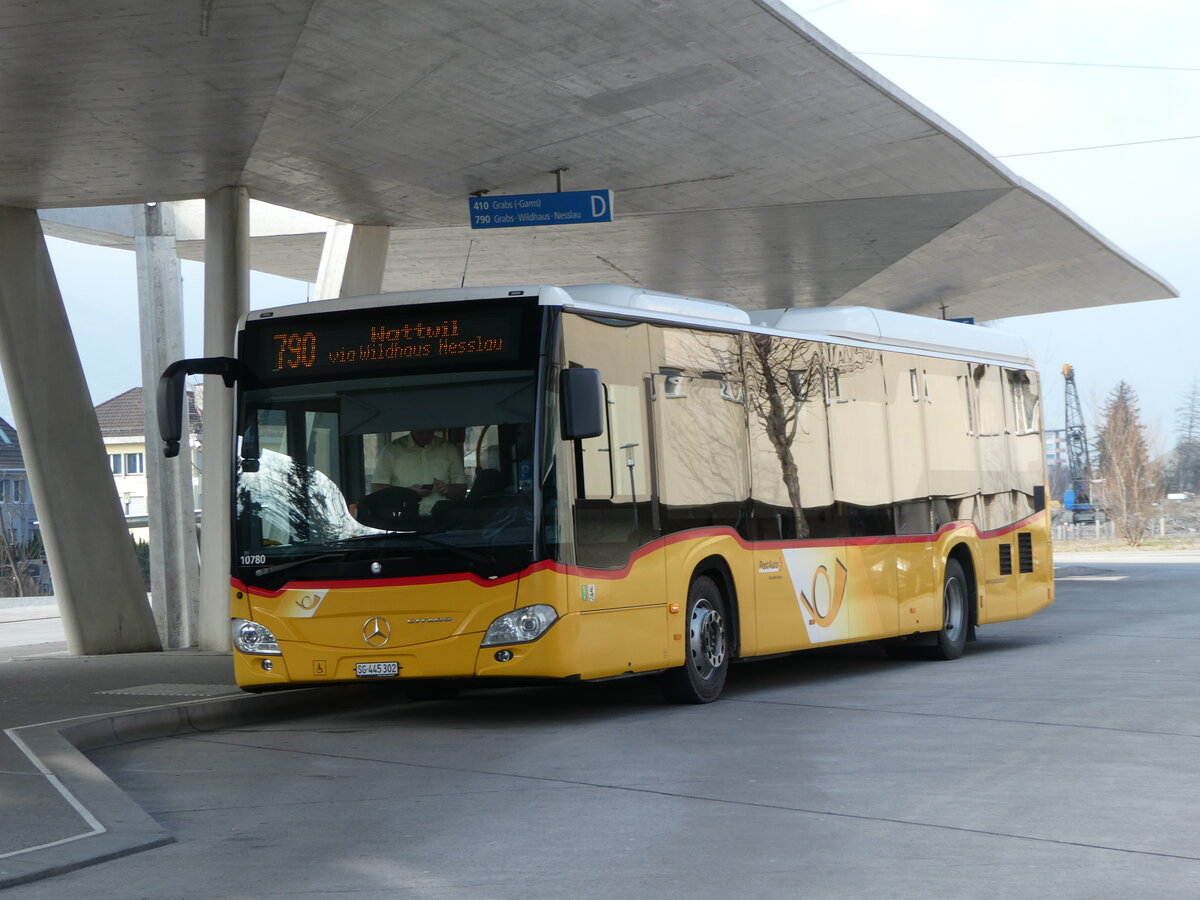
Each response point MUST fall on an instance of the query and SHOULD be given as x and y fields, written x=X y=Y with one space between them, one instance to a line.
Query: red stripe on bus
x=643 y=551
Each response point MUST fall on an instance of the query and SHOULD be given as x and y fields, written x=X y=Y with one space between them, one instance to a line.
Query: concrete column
x=352 y=261
x=174 y=553
x=226 y=299
x=97 y=581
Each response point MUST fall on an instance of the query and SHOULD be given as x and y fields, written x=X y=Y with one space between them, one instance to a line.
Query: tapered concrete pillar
x=352 y=261
x=174 y=552
x=226 y=298
x=97 y=582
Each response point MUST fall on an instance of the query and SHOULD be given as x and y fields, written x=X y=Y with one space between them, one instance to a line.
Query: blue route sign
x=524 y=210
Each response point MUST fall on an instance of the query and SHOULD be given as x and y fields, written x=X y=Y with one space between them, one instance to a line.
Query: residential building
x=23 y=570
x=122 y=425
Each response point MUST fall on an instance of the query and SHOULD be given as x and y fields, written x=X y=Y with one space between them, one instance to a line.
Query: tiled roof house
x=16 y=503
x=10 y=449
x=123 y=415
x=18 y=519
x=122 y=425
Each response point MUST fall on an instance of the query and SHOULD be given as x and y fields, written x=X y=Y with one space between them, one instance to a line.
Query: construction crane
x=1077 y=499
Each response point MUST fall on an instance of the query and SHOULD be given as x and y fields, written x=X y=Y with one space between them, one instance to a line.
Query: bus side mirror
x=170 y=394
x=582 y=397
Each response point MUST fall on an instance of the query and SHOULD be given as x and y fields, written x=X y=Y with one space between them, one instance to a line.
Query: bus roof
x=893 y=329
x=858 y=324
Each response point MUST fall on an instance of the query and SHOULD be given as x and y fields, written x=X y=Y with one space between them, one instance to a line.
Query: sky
x=1094 y=102
x=1097 y=104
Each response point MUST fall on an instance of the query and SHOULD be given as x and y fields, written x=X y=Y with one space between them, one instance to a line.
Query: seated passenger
x=425 y=463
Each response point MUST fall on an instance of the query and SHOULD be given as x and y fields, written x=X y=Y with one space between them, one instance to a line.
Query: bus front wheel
x=702 y=675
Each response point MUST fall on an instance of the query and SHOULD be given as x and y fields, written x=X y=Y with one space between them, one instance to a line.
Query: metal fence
x=1161 y=526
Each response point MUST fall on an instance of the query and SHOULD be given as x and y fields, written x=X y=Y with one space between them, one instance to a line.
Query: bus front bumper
x=552 y=656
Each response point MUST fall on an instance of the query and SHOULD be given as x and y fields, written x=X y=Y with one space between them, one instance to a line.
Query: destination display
x=524 y=210
x=361 y=342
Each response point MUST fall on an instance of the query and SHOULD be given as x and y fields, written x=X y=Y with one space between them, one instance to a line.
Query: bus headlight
x=520 y=626
x=250 y=637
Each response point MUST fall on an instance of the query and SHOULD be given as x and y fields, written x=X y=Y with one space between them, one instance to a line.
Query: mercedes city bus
x=653 y=484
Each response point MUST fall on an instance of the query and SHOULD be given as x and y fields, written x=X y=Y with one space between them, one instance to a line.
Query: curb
x=113 y=825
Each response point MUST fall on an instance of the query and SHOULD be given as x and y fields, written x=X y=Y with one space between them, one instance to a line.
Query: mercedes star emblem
x=377 y=631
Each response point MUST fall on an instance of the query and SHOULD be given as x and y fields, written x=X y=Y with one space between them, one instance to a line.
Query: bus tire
x=956 y=617
x=702 y=676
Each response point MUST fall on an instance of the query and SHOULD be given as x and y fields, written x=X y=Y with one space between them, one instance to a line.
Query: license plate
x=377 y=669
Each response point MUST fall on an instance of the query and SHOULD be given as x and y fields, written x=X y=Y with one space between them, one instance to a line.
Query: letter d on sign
x=599 y=206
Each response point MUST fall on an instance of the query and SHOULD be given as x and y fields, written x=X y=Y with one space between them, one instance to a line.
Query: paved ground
x=1058 y=758
x=29 y=627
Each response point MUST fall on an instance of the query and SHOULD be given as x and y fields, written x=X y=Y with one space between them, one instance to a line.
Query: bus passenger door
x=701 y=454
x=619 y=587
x=995 y=513
x=909 y=414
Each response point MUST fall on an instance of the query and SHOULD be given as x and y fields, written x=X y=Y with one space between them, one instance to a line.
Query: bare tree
x=1132 y=480
x=1184 y=465
x=781 y=375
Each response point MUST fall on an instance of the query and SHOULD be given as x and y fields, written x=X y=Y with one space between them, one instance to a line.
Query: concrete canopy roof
x=753 y=161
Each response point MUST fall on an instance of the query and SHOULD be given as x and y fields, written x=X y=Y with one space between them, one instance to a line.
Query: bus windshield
x=392 y=476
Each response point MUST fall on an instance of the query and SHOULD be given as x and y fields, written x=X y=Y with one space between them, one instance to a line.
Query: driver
x=425 y=463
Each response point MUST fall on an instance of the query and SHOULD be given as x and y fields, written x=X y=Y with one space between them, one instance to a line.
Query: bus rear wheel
x=702 y=676
x=956 y=617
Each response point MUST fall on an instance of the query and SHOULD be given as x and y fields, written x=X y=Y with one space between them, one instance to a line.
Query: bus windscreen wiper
x=291 y=564
x=469 y=555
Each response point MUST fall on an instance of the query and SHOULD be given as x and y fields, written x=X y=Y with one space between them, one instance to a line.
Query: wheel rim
x=706 y=639
x=954 y=609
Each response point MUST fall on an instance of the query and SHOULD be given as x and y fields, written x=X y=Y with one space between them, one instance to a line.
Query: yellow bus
x=642 y=483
